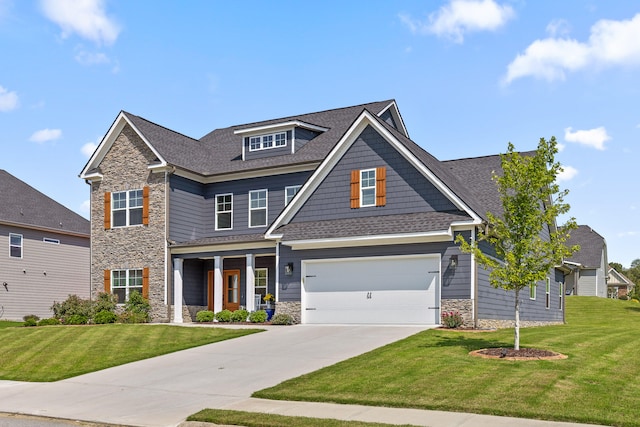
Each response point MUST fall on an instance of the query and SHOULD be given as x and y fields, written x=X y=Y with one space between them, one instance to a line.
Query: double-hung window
x=560 y=294
x=123 y=282
x=290 y=192
x=261 y=281
x=547 y=293
x=126 y=208
x=532 y=291
x=264 y=142
x=224 y=212
x=258 y=208
x=367 y=187
x=15 y=245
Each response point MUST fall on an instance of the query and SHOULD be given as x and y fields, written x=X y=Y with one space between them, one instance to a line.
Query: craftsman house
x=45 y=251
x=589 y=266
x=337 y=213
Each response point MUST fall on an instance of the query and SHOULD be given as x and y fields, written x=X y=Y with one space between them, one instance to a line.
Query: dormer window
x=264 y=142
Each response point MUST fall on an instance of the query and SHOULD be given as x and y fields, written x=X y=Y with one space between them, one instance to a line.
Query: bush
x=623 y=297
x=259 y=316
x=239 y=316
x=282 y=319
x=131 y=317
x=223 y=316
x=105 y=302
x=49 y=321
x=452 y=319
x=204 y=316
x=76 y=319
x=30 y=320
x=105 y=316
x=138 y=307
x=71 y=306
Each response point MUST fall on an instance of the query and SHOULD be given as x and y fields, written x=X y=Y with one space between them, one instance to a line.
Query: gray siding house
x=589 y=266
x=338 y=214
x=45 y=251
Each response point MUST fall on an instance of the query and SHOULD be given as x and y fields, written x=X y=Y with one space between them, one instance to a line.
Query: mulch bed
x=522 y=354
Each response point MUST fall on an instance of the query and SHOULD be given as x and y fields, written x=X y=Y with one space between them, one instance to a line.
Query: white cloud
x=88 y=148
x=85 y=207
x=87 y=18
x=461 y=16
x=88 y=58
x=593 y=137
x=45 y=135
x=568 y=173
x=558 y=27
x=8 y=100
x=628 y=234
x=611 y=43
x=560 y=147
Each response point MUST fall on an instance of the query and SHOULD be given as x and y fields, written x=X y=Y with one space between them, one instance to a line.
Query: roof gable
x=592 y=246
x=24 y=206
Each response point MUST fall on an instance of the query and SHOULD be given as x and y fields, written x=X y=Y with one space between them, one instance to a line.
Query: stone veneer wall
x=501 y=324
x=125 y=167
x=462 y=306
x=292 y=308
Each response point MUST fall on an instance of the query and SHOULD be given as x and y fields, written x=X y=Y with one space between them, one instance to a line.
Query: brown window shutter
x=381 y=186
x=145 y=205
x=107 y=210
x=107 y=281
x=355 y=189
x=145 y=282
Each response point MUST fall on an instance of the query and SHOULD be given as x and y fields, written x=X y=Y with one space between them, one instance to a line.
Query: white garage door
x=378 y=290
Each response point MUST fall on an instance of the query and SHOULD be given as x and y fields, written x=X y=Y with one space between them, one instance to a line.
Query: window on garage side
x=532 y=291
x=368 y=187
x=547 y=293
x=257 y=208
x=15 y=245
x=560 y=294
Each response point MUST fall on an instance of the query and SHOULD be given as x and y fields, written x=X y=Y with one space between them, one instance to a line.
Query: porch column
x=250 y=285
x=217 y=284
x=178 y=264
x=277 y=275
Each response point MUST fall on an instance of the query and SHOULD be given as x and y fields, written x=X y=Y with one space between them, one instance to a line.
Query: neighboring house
x=618 y=284
x=337 y=213
x=45 y=255
x=589 y=265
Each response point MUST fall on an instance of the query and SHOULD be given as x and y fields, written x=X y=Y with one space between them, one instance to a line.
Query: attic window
x=264 y=142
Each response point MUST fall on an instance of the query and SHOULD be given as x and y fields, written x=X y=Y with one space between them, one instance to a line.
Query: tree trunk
x=516 y=338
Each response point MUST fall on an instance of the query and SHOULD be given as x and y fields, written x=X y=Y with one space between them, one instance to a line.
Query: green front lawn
x=432 y=370
x=51 y=353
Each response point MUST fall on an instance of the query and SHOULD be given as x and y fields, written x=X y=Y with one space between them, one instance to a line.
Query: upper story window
x=15 y=245
x=290 y=192
x=264 y=142
x=257 y=208
x=368 y=187
x=126 y=208
x=224 y=212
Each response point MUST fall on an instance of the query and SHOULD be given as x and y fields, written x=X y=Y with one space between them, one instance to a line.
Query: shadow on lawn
x=636 y=309
x=470 y=343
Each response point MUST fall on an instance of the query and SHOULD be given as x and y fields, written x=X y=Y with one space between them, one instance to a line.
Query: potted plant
x=269 y=299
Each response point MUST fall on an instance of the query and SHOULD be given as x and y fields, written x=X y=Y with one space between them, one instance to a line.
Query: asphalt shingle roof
x=22 y=204
x=591 y=246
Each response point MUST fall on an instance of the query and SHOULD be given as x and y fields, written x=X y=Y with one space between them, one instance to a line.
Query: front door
x=210 y=290
x=231 y=290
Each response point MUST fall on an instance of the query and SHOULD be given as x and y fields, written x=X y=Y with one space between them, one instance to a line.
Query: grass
x=250 y=419
x=51 y=353
x=432 y=370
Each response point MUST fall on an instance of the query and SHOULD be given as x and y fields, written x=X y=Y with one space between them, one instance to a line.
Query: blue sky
x=468 y=75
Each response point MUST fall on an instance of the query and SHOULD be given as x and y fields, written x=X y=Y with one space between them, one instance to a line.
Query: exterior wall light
x=453 y=262
x=288 y=269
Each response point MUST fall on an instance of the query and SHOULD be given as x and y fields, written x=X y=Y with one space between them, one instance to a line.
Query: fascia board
x=391 y=239
x=45 y=229
x=277 y=126
x=255 y=173
x=396 y=115
x=222 y=247
x=109 y=139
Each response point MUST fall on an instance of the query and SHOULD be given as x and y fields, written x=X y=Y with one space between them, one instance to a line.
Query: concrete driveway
x=164 y=390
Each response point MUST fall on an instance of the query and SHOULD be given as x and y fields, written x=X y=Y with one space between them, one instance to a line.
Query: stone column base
x=462 y=306
x=292 y=308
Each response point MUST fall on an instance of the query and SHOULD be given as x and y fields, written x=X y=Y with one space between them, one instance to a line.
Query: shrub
x=239 y=316
x=104 y=317
x=76 y=319
x=105 y=302
x=223 y=316
x=452 y=319
x=259 y=316
x=30 y=320
x=138 y=307
x=623 y=297
x=131 y=317
x=49 y=321
x=71 y=306
x=204 y=316
x=282 y=319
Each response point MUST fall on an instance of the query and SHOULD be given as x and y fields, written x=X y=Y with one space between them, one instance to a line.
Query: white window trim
x=127 y=209
x=266 y=277
x=262 y=141
x=217 y=212
x=286 y=195
x=362 y=205
x=560 y=294
x=50 y=241
x=533 y=287
x=266 y=208
x=547 y=293
x=126 y=288
x=12 y=246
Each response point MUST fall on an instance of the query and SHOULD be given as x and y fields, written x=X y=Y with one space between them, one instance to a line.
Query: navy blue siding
x=302 y=136
x=455 y=284
x=192 y=205
x=194 y=274
x=388 y=117
x=408 y=191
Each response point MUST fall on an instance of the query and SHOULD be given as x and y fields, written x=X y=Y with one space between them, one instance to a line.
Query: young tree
x=531 y=200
